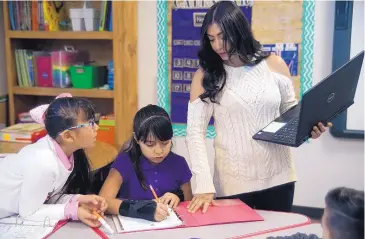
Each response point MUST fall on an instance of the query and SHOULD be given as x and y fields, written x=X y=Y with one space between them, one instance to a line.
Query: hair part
x=62 y=114
x=238 y=34
x=150 y=123
x=345 y=213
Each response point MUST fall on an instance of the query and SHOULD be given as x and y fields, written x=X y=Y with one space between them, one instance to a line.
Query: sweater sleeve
x=38 y=182
x=199 y=114
x=71 y=204
x=287 y=92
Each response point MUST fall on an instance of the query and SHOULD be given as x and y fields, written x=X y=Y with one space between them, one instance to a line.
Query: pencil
x=154 y=193
x=103 y=222
x=157 y=199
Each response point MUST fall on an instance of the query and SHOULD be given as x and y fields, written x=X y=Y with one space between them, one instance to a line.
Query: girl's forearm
x=113 y=205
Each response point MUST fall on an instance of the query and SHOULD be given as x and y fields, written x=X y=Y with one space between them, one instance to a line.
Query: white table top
x=272 y=221
x=315 y=229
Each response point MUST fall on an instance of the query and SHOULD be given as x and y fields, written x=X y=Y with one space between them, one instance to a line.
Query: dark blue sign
x=186 y=24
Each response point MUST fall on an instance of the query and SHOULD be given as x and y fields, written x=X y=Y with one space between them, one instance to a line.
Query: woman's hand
x=170 y=199
x=86 y=216
x=317 y=131
x=201 y=201
x=93 y=202
x=161 y=212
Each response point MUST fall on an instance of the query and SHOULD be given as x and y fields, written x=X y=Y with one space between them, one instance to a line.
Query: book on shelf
x=47 y=15
x=23 y=133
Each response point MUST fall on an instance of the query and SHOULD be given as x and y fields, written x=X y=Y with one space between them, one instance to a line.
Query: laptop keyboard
x=288 y=133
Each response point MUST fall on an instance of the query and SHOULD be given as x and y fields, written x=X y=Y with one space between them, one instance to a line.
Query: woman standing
x=244 y=90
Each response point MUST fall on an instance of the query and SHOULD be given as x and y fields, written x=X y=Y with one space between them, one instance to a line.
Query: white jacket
x=29 y=178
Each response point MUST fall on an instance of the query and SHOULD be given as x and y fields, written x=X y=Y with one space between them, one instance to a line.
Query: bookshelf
x=60 y=35
x=119 y=45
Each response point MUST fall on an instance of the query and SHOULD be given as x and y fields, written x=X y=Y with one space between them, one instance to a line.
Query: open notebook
x=224 y=211
x=34 y=227
x=128 y=224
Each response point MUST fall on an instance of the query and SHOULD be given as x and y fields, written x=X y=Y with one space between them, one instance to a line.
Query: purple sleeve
x=185 y=173
x=123 y=165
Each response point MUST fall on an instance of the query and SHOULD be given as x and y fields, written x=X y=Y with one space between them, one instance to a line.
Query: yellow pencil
x=157 y=199
x=154 y=193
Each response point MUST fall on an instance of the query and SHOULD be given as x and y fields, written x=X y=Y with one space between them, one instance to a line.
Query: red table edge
x=308 y=222
x=102 y=235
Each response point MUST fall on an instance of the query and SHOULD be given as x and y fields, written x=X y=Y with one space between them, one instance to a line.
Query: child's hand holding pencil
x=162 y=210
x=93 y=202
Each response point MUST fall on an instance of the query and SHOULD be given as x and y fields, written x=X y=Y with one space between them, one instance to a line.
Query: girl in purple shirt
x=147 y=160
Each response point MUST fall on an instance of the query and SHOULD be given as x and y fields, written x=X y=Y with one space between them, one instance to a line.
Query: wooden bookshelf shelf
x=60 y=35
x=118 y=46
x=44 y=91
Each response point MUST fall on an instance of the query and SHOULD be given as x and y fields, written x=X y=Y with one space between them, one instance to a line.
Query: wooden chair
x=101 y=155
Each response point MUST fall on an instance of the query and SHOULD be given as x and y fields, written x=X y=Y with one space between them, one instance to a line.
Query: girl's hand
x=170 y=199
x=86 y=216
x=161 y=212
x=93 y=202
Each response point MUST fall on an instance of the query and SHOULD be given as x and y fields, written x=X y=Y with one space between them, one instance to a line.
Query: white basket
x=77 y=19
x=91 y=19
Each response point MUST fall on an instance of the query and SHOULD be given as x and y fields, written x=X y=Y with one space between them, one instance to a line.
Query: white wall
x=321 y=164
x=3 y=81
x=355 y=114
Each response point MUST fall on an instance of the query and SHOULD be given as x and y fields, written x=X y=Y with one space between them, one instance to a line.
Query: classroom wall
x=321 y=164
x=3 y=81
x=355 y=114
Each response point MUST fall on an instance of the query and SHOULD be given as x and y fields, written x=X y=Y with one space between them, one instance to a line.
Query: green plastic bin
x=87 y=77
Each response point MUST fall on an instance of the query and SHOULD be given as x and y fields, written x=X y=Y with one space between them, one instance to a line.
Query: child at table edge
x=343 y=216
x=147 y=160
x=55 y=169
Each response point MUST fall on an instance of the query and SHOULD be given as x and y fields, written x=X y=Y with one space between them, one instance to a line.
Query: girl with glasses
x=55 y=169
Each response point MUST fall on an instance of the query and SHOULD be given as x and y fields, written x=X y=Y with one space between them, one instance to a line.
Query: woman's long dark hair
x=62 y=114
x=238 y=34
x=149 y=122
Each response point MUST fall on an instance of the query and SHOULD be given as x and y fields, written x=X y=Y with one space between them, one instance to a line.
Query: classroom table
x=315 y=229
x=272 y=221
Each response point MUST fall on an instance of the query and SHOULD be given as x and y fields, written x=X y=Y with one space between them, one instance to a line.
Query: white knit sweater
x=251 y=99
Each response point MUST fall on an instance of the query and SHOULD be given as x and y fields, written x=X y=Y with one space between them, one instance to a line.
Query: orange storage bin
x=106 y=132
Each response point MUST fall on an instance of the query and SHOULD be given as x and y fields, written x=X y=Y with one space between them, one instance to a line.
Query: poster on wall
x=288 y=52
x=186 y=22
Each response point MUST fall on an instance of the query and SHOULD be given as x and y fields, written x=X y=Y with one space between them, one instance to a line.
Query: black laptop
x=322 y=103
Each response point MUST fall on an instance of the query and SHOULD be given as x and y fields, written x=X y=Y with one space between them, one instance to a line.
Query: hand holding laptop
x=317 y=131
x=322 y=103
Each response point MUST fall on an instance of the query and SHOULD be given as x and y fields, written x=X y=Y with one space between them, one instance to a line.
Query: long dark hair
x=345 y=213
x=62 y=114
x=238 y=34
x=150 y=121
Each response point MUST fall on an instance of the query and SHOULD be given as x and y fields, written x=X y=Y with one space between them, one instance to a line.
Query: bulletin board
x=284 y=28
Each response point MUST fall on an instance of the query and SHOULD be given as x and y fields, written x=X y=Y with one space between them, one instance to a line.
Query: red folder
x=58 y=226
x=223 y=212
